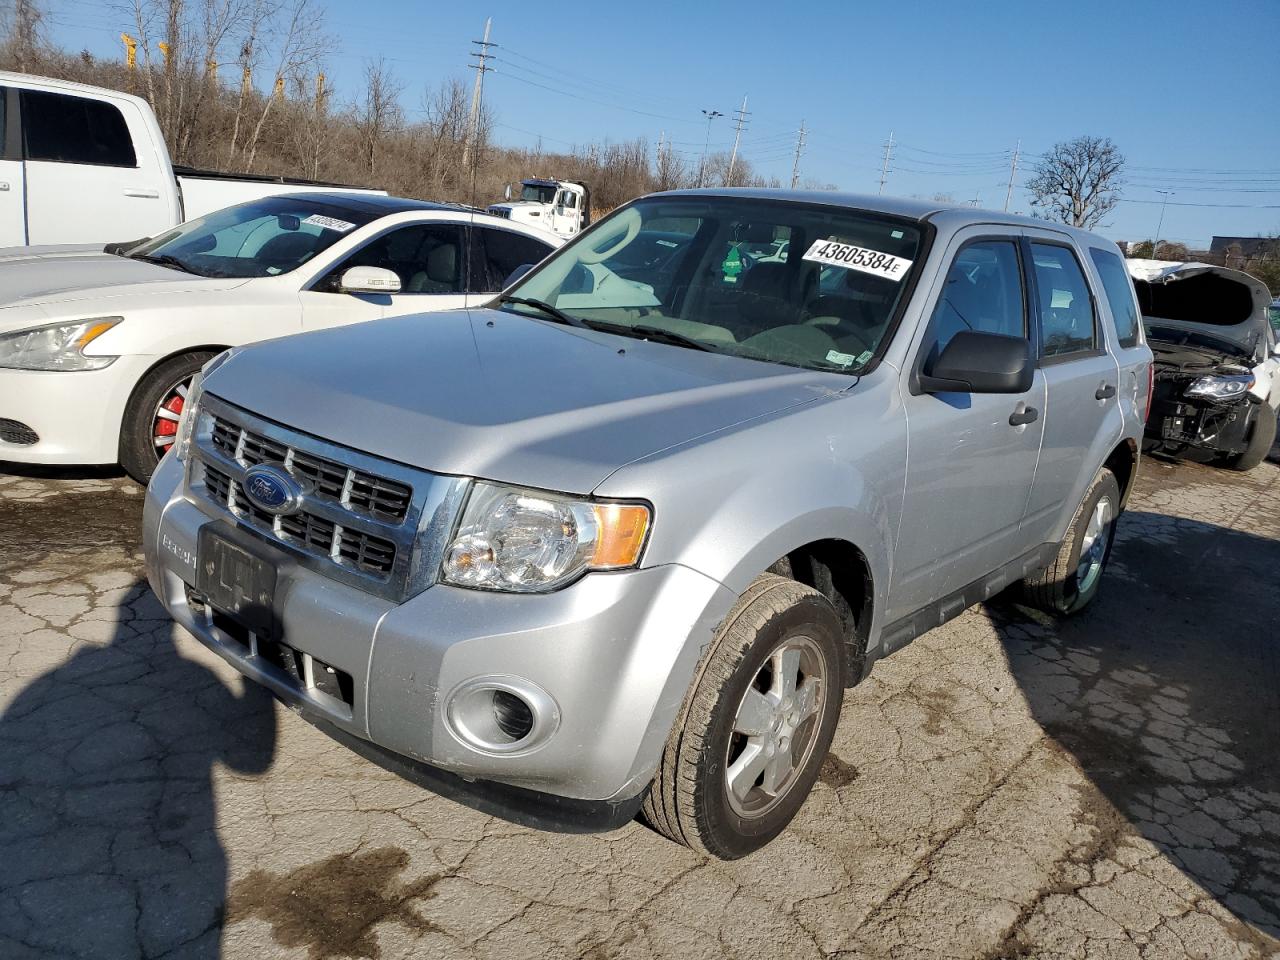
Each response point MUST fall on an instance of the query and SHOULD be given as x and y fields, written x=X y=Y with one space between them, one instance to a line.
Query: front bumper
x=1181 y=426
x=615 y=653
x=76 y=415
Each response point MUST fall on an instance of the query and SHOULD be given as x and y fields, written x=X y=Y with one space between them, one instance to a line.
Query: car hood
x=504 y=397
x=1179 y=349
x=1245 y=335
x=48 y=276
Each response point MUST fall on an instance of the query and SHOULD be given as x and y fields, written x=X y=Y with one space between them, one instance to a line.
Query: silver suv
x=618 y=543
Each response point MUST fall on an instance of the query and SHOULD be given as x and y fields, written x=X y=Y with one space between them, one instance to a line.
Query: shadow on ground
x=107 y=811
x=1167 y=692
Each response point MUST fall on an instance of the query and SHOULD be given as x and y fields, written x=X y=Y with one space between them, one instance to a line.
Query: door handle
x=1023 y=415
x=1105 y=392
x=4 y=185
x=143 y=194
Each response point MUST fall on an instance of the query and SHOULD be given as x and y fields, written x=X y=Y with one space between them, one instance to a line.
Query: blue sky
x=1186 y=90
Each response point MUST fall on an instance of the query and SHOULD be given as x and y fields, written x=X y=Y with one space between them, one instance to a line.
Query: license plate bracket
x=237 y=581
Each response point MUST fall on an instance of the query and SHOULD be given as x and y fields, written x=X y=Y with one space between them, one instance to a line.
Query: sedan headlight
x=56 y=346
x=1221 y=388
x=530 y=541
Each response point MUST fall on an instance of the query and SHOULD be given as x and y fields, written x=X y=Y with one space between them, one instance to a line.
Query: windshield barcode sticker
x=836 y=254
x=329 y=223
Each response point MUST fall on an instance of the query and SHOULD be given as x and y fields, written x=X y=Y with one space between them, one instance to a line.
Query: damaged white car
x=1217 y=362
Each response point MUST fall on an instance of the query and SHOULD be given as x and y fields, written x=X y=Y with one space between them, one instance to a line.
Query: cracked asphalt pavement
x=1007 y=786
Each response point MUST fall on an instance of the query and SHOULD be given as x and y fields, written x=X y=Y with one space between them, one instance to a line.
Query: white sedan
x=97 y=346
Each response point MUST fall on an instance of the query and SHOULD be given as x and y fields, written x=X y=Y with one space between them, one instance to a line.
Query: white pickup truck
x=85 y=164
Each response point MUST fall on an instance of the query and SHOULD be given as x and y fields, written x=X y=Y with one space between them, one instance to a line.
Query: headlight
x=530 y=541
x=57 y=346
x=1221 y=388
x=191 y=403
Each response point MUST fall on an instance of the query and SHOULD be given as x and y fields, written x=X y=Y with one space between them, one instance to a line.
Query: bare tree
x=25 y=33
x=380 y=114
x=1078 y=181
x=670 y=172
x=298 y=45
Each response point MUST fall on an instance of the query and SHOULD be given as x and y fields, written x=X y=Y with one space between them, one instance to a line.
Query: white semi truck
x=562 y=207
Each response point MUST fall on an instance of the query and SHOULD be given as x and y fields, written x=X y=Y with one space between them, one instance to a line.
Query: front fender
x=731 y=507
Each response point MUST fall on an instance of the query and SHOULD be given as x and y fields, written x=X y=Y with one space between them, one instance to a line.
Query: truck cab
x=562 y=207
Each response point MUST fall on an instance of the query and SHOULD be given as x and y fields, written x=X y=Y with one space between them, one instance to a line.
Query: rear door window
x=1118 y=289
x=66 y=129
x=498 y=253
x=1066 y=308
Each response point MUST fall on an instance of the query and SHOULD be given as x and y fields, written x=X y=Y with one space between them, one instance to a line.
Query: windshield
x=263 y=238
x=811 y=286
x=1274 y=313
x=538 y=193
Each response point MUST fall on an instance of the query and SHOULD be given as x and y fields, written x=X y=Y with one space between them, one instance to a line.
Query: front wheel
x=1261 y=438
x=150 y=423
x=1070 y=583
x=756 y=725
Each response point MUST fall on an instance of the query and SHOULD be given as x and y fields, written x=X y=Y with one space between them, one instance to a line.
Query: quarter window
x=1119 y=292
x=75 y=130
x=983 y=292
x=1066 y=309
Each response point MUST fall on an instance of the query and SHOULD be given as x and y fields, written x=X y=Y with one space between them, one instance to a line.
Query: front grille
x=307 y=530
x=372 y=523
x=378 y=497
x=15 y=431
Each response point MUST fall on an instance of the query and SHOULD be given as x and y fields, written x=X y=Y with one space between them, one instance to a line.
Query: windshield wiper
x=555 y=313
x=663 y=335
x=165 y=260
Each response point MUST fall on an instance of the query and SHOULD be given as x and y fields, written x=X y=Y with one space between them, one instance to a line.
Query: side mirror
x=975 y=362
x=516 y=274
x=506 y=194
x=369 y=280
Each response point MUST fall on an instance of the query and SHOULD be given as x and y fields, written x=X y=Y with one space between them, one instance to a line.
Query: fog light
x=513 y=716
x=501 y=714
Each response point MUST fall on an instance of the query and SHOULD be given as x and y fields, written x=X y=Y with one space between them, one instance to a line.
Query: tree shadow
x=1167 y=692
x=107 y=810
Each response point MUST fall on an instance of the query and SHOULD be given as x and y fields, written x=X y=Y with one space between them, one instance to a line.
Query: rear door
x=495 y=253
x=13 y=210
x=90 y=174
x=1081 y=378
x=969 y=468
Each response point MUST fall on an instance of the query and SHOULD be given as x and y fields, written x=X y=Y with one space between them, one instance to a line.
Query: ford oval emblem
x=269 y=488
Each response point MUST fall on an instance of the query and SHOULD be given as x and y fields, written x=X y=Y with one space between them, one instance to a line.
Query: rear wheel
x=1070 y=583
x=150 y=423
x=1261 y=439
x=756 y=725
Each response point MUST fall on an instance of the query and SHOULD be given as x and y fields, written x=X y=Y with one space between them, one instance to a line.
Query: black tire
x=1261 y=439
x=1058 y=589
x=688 y=800
x=138 y=451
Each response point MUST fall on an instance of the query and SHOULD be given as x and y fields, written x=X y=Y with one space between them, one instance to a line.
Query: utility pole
x=662 y=143
x=795 y=164
x=1155 y=244
x=702 y=167
x=1013 y=170
x=482 y=59
x=737 y=137
x=884 y=170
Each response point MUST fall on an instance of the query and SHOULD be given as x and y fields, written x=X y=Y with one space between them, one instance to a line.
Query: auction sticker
x=329 y=223
x=836 y=254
